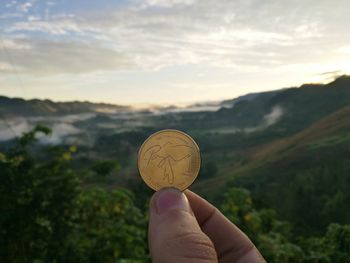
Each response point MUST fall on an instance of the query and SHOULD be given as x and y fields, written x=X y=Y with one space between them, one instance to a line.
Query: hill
x=20 y=107
x=305 y=177
x=284 y=111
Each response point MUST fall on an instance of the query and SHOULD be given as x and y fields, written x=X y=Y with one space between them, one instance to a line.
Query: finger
x=173 y=233
x=231 y=244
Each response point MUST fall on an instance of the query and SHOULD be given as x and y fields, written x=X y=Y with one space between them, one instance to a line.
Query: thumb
x=174 y=234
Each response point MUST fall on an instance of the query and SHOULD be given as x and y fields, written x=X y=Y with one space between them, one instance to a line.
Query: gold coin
x=169 y=158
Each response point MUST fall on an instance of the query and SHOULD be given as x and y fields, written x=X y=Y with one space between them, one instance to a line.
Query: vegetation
x=305 y=177
x=275 y=239
x=47 y=216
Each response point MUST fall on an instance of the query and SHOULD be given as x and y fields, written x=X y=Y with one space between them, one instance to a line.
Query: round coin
x=169 y=158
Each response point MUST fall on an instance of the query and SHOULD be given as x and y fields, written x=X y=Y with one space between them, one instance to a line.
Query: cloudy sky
x=168 y=51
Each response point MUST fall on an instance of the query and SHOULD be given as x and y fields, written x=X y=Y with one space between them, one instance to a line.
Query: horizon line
x=141 y=105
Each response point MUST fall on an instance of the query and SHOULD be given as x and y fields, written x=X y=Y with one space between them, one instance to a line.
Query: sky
x=168 y=51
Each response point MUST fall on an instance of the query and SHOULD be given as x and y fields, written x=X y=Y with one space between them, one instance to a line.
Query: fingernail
x=171 y=199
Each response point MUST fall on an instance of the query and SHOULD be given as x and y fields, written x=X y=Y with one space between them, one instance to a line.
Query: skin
x=185 y=228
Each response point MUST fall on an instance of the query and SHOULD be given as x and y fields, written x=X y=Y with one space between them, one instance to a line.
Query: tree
x=37 y=200
x=104 y=168
x=333 y=247
x=107 y=228
x=45 y=215
x=269 y=234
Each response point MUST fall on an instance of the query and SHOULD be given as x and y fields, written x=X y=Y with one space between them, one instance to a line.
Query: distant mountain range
x=280 y=112
x=247 y=108
x=12 y=107
x=36 y=107
x=294 y=108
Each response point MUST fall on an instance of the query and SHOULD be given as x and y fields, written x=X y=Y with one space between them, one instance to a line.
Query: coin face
x=169 y=158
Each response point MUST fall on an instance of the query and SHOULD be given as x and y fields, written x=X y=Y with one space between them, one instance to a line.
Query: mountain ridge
x=37 y=107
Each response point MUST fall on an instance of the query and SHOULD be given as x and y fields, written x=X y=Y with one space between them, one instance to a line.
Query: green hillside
x=305 y=177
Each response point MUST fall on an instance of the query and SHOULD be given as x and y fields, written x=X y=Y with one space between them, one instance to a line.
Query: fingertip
x=174 y=234
x=168 y=199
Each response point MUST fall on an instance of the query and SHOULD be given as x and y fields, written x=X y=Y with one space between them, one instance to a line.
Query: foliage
x=105 y=167
x=45 y=216
x=107 y=227
x=270 y=235
x=303 y=183
x=275 y=239
x=36 y=202
x=333 y=247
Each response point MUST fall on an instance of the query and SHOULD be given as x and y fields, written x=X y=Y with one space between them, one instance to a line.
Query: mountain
x=251 y=120
x=305 y=177
x=36 y=107
x=299 y=106
x=283 y=112
x=248 y=97
x=20 y=107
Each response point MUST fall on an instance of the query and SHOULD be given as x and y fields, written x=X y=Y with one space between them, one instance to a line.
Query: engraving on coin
x=169 y=158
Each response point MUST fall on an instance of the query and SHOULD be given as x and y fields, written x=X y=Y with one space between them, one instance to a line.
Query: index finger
x=231 y=244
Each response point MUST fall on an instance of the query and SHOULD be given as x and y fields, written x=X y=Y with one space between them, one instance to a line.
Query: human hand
x=184 y=228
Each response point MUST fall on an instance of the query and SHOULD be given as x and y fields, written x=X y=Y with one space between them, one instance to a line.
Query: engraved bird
x=166 y=156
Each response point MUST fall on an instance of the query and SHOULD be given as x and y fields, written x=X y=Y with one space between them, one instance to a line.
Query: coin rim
x=169 y=130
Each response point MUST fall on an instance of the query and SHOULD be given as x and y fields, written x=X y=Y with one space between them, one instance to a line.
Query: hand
x=185 y=228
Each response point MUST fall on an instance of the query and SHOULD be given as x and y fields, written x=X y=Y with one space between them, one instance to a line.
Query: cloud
x=60 y=132
x=6 y=67
x=11 y=44
x=166 y=3
x=76 y=117
x=43 y=57
x=269 y=119
x=11 y=4
x=24 y=7
x=154 y=34
x=10 y=15
x=63 y=129
x=18 y=126
x=61 y=26
x=344 y=49
x=272 y=117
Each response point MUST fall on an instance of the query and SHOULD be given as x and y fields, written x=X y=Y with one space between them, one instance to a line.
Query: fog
x=13 y=128
x=269 y=119
x=62 y=127
x=274 y=116
x=60 y=134
x=66 y=129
